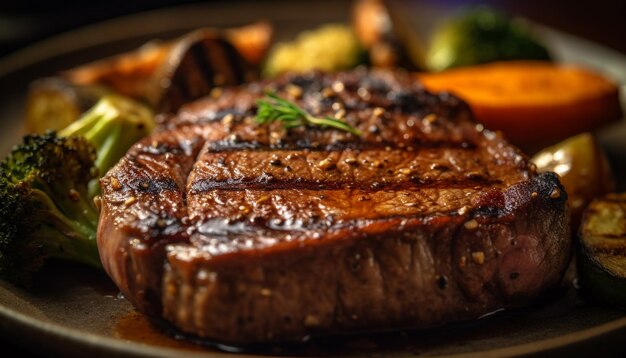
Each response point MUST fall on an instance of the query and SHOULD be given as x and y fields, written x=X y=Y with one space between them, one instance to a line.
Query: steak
x=243 y=233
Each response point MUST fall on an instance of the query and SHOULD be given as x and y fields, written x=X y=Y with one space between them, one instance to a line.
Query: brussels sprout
x=332 y=47
x=482 y=35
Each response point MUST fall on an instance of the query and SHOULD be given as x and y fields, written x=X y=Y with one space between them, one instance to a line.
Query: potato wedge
x=583 y=169
x=534 y=103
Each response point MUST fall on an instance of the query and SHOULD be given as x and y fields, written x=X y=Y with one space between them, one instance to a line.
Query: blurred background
x=27 y=21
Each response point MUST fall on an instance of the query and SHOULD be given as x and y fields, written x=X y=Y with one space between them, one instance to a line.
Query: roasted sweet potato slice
x=534 y=103
x=126 y=73
x=252 y=41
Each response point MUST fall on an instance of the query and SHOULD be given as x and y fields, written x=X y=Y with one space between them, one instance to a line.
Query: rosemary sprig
x=273 y=108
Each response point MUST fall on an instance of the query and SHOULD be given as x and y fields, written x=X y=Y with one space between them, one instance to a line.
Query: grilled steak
x=242 y=232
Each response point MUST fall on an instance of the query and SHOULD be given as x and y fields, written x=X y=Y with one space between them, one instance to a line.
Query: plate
x=75 y=311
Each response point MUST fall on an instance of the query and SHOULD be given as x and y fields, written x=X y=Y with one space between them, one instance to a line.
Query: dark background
x=23 y=22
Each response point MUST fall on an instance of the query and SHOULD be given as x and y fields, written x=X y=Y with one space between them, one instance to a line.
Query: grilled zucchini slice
x=602 y=250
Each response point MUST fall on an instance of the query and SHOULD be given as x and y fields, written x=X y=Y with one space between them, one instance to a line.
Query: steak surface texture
x=245 y=233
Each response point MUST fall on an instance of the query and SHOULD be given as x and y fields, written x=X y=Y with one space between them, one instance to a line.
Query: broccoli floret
x=46 y=211
x=47 y=186
x=480 y=35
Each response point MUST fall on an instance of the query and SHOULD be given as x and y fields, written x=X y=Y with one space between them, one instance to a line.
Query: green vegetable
x=332 y=47
x=112 y=126
x=602 y=250
x=273 y=108
x=482 y=35
x=47 y=185
x=54 y=103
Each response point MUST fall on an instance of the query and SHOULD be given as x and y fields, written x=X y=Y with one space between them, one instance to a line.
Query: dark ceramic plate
x=77 y=312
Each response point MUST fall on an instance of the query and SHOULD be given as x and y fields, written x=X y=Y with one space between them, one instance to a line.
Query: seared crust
x=246 y=233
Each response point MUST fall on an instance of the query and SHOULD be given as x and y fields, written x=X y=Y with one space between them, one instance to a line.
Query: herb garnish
x=273 y=108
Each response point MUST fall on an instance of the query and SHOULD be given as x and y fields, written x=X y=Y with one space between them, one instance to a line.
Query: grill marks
x=236 y=129
x=269 y=184
x=389 y=112
x=231 y=56
x=348 y=169
x=204 y=65
x=315 y=191
x=306 y=209
x=207 y=63
x=147 y=187
x=263 y=144
x=413 y=160
x=152 y=186
x=257 y=177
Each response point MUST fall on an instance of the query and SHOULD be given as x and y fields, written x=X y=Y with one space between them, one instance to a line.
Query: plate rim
x=81 y=39
x=128 y=348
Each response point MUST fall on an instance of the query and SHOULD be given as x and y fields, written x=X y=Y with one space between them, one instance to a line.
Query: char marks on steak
x=243 y=233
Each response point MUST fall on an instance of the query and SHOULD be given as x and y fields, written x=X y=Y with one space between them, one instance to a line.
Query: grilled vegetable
x=199 y=62
x=386 y=35
x=165 y=75
x=46 y=212
x=127 y=74
x=331 y=47
x=113 y=125
x=482 y=35
x=584 y=170
x=602 y=250
x=252 y=41
x=54 y=103
x=534 y=103
x=47 y=188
